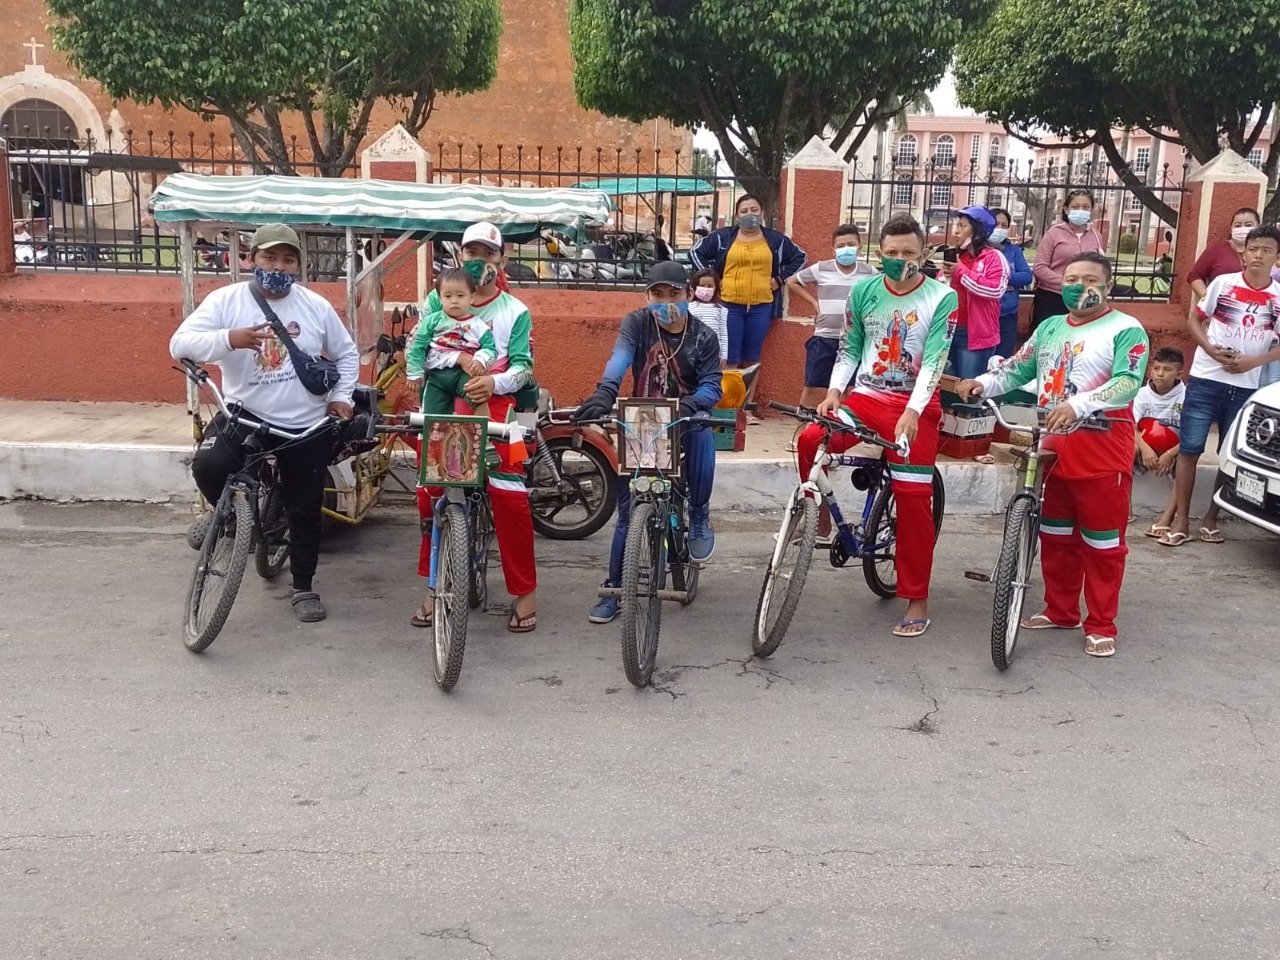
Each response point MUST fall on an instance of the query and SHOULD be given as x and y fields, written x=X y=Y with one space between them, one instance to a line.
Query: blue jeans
x=699 y=450
x=1208 y=402
x=1008 y=335
x=965 y=363
x=747 y=327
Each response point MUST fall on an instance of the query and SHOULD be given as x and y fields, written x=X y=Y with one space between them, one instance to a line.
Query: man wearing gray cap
x=229 y=329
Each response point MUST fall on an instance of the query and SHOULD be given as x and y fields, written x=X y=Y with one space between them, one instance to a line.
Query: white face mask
x=1240 y=234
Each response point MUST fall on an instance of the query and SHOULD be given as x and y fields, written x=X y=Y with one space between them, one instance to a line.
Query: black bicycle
x=249 y=516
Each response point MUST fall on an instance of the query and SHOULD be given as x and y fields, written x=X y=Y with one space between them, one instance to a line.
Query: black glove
x=597 y=406
x=687 y=407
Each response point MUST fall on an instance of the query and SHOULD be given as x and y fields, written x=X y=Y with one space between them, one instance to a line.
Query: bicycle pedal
x=975 y=575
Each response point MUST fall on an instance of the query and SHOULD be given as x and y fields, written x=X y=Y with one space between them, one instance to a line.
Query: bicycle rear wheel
x=480 y=538
x=451 y=604
x=271 y=546
x=785 y=575
x=219 y=569
x=643 y=575
x=1012 y=577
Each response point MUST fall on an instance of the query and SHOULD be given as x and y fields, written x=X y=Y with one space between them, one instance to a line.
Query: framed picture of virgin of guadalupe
x=453 y=451
x=646 y=442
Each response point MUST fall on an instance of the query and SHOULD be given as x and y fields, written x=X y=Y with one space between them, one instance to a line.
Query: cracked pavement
x=305 y=791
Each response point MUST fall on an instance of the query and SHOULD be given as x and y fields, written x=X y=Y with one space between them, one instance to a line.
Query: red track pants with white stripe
x=512 y=520
x=1082 y=544
x=912 y=482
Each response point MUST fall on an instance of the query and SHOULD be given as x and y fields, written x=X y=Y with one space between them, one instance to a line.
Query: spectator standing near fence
x=753 y=262
x=1061 y=244
x=979 y=277
x=1223 y=256
x=1019 y=279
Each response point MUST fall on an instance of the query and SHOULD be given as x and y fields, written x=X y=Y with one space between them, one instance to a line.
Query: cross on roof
x=33 y=47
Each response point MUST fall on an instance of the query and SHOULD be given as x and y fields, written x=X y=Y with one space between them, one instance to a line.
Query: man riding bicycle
x=898 y=332
x=258 y=377
x=673 y=355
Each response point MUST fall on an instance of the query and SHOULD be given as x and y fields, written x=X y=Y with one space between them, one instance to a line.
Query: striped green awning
x=629 y=186
x=444 y=210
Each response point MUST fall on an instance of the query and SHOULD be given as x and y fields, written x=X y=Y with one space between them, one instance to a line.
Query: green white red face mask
x=1083 y=297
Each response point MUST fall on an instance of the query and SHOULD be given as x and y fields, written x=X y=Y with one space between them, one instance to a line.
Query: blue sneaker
x=606 y=609
x=702 y=539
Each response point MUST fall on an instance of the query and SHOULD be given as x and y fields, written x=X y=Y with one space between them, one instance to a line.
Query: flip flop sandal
x=1173 y=540
x=422 y=618
x=526 y=624
x=1211 y=536
x=1155 y=531
x=901 y=629
x=985 y=458
x=1041 y=622
x=307 y=606
x=1096 y=645
x=824 y=543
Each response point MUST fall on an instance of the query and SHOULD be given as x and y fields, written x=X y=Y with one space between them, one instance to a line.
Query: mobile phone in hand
x=950 y=254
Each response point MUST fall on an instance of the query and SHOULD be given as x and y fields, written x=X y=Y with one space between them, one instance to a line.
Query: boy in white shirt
x=1157 y=410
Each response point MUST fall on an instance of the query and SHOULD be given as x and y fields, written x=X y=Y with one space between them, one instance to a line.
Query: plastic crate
x=729 y=429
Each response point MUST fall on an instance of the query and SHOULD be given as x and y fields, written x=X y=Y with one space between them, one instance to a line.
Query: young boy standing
x=1234 y=327
x=1089 y=361
x=825 y=285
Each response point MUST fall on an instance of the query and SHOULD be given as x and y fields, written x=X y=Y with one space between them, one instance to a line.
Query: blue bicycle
x=873 y=538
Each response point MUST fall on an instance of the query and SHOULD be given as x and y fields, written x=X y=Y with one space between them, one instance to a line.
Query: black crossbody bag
x=318 y=374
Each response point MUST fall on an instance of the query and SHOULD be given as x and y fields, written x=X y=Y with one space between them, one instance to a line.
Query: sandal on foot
x=307 y=606
x=422 y=618
x=1173 y=539
x=1211 y=536
x=903 y=628
x=1041 y=622
x=526 y=624
x=1156 y=531
x=984 y=458
x=1096 y=645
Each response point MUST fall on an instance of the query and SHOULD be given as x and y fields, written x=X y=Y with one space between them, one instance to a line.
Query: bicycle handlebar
x=508 y=432
x=862 y=432
x=1092 y=422
x=200 y=377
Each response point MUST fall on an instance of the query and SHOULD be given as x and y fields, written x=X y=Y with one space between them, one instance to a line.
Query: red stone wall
x=816 y=212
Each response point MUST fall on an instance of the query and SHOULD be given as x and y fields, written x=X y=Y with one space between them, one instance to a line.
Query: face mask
x=895 y=268
x=1240 y=234
x=705 y=294
x=482 y=271
x=274 y=281
x=668 y=313
x=847 y=256
x=999 y=235
x=749 y=221
x=1079 y=218
x=1078 y=296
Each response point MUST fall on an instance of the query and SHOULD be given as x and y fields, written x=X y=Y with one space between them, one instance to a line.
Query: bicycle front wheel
x=644 y=571
x=880 y=544
x=785 y=575
x=452 y=596
x=216 y=580
x=1012 y=577
x=271 y=548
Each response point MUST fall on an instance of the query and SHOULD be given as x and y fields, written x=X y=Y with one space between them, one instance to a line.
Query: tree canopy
x=1194 y=75
x=764 y=75
x=254 y=63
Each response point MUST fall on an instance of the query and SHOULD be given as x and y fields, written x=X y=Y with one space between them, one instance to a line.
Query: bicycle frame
x=819 y=483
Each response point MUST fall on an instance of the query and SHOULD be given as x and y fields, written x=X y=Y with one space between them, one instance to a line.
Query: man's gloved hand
x=596 y=407
x=687 y=407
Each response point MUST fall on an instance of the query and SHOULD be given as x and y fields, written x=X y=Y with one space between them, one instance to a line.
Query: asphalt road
x=305 y=791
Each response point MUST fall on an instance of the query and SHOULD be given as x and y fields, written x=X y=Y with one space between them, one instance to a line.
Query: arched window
x=907 y=152
x=38 y=125
x=903 y=190
x=941 y=193
x=944 y=150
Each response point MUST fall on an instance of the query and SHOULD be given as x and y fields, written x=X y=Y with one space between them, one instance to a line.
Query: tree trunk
x=1131 y=180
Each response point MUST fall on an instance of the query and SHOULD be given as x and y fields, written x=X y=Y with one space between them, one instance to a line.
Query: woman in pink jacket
x=1061 y=244
x=979 y=276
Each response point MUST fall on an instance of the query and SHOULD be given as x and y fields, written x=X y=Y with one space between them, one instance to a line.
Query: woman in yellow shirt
x=753 y=263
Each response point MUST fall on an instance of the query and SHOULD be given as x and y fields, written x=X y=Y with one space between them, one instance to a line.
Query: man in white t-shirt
x=1234 y=327
x=229 y=329
x=825 y=286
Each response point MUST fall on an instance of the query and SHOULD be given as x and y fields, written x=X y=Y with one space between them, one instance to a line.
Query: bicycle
x=657 y=545
x=1021 y=540
x=461 y=536
x=249 y=515
x=873 y=538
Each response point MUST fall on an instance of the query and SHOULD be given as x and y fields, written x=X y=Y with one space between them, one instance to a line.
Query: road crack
x=462 y=933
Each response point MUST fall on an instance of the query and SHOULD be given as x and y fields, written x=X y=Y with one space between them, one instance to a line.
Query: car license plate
x=1251 y=487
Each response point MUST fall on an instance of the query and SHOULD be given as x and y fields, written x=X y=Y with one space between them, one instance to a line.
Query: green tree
x=1195 y=76
x=764 y=75
x=330 y=61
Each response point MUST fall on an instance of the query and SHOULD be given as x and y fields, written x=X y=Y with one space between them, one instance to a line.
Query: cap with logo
x=485 y=233
x=667 y=272
x=274 y=235
x=983 y=218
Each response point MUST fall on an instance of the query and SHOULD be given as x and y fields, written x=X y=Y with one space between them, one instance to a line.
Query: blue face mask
x=668 y=313
x=274 y=281
x=847 y=256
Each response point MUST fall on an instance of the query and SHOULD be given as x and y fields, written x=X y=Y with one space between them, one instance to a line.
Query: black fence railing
x=1138 y=225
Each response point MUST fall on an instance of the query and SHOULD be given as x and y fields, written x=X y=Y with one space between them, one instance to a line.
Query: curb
x=142 y=473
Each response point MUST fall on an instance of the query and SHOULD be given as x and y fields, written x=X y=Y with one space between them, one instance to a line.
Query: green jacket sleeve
x=1014 y=372
x=936 y=348
x=1128 y=365
x=519 y=370
x=415 y=355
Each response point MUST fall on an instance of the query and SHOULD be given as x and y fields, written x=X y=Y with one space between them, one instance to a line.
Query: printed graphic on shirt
x=274 y=353
x=1165 y=409
x=893 y=364
x=1058 y=386
x=455 y=339
x=1137 y=357
x=1241 y=318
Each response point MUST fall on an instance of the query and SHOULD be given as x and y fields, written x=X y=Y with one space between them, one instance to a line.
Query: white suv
x=1250 y=462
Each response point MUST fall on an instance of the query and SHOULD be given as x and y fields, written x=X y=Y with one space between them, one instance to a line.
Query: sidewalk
x=141 y=452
